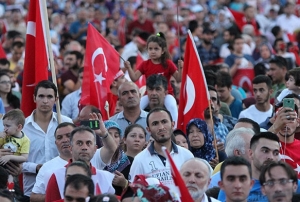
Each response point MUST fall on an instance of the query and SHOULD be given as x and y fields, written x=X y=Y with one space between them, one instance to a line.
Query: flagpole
x=178 y=30
x=51 y=58
x=213 y=131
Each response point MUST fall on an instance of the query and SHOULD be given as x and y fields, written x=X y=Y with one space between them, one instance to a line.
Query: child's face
x=154 y=51
x=290 y=84
x=11 y=127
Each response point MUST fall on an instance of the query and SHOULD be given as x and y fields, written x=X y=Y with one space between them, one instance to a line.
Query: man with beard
x=207 y=51
x=278 y=181
x=285 y=125
x=262 y=109
x=215 y=123
x=196 y=174
x=72 y=62
x=152 y=161
x=129 y=98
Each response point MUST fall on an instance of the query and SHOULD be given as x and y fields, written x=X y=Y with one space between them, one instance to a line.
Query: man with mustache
x=278 y=181
x=285 y=125
x=196 y=174
x=62 y=141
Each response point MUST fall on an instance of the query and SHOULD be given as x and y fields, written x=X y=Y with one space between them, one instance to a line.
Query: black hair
x=4 y=61
x=6 y=194
x=17 y=44
x=156 y=80
x=129 y=128
x=210 y=76
x=79 y=181
x=275 y=30
x=265 y=135
x=193 y=25
x=45 y=84
x=263 y=79
x=132 y=60
x=259 y=69
x=12 y=34
x=279 y=61
x=235 y=161
x=224 y=79
x=211 y=88
x=160 y=39
x=62 y=125
x=290 y=172
x=13 y=100
x=79 y=56
x=296 y=74
x=255 y=125
x=81 y=164
x=158 y=109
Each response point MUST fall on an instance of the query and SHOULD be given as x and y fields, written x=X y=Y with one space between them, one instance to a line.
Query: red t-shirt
x=112 y=101
x=147 y=26
x=148 y=68
x=290 y=154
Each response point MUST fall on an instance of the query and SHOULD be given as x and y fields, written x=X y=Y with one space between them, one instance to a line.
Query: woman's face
x=115 y=135
x=265 y=52
x=196 y=137
x=5 y=84
x=135 y=140
x=181 y=141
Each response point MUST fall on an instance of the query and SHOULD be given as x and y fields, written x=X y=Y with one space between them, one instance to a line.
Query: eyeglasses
x=282 y=182
x=5 y=82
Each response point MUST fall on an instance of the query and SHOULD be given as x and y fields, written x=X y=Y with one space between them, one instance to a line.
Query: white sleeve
x=242 y=115
x=97 y=162
x=29 y=167
x=135 y=169
x=39 y=186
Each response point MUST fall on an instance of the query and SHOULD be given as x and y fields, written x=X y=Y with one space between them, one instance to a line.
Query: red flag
x=184 y=192
x=194 y=97
x=142 y=80
x=122 y=31
x=2 y=52
x=100 y=67
x=36 y=55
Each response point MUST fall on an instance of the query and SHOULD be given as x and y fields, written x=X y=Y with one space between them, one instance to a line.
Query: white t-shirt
x=254 y=114
x=283 y=93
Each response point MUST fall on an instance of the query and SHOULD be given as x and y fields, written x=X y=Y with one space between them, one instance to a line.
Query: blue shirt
x=236 y=107
x=220 y=130
x=231 y=59
x=208 y=55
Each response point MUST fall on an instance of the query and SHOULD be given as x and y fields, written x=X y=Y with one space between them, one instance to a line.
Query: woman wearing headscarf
x=201 y=141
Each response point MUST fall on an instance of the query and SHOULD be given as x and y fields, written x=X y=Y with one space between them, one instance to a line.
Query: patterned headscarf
x=207 y=151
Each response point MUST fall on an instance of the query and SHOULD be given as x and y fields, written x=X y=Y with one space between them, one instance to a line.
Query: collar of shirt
x=143 y=114
x=153 y=152
x=93 y=169
x=31 y=117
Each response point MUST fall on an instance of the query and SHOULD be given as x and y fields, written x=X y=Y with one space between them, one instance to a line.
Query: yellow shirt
x=18 y=145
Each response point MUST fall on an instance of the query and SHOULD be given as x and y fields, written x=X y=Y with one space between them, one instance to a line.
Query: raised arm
x=134 y=75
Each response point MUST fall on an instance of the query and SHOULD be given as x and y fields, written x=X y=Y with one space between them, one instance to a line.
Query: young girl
x=159 y=63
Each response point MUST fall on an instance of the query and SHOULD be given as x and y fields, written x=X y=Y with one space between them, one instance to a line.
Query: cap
x=119 y=74
x=197 y=9
x=112 y=124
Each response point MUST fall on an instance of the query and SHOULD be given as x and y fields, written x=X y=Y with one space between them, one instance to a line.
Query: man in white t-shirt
x=262 y=109
x=151 y=161
x=62 y=141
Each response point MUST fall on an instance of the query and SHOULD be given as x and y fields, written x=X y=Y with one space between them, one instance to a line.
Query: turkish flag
x=122 y=31
x=194 y=97
x=142 y=80
x=100 y=67
x=184 y=192
x=2 y=52
x=36 y=55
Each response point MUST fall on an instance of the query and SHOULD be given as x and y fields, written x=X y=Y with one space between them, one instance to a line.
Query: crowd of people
x=241 y=148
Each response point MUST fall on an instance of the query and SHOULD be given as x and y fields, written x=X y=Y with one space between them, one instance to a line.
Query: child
x=292 y=84
x=159 y=63
x=14 y=139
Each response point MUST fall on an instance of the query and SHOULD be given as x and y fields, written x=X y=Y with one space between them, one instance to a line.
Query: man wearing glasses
x=278 y=181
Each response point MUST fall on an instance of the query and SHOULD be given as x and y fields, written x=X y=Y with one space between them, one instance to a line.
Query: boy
x=292 y=84
x=14 y=139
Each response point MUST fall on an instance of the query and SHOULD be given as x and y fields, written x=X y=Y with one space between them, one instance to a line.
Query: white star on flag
x=297 y=169
x=99 y=78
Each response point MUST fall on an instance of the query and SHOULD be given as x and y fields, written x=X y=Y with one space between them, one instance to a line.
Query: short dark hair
x=236 y=38
x=262 y=79
x=296 y=74
x=211 y=88
x=275 y=30
x=279 y=61
x=81 y=129
x=79 y=56
x=4 y=61
x=62 y=125
x=83 y=165
x=79 y=181
x=15 y=115
x=265 y=135
x=156 y=80
x=129 y=128
x=45 y=84
x=17 y=44
x=193 y=25
x=210 y=77
x=158 y=109
x=268 y=167
x=6 y=194
x=224 y=79
x=12 y=34
x=235 y=161
x=255 y=125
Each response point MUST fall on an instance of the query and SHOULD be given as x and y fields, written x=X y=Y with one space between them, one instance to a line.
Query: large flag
x=100 y=67
x=194 y=96
x=122 y=31
x=36 y=55
x=184 y=192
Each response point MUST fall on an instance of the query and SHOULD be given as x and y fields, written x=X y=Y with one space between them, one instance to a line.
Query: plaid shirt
x=229 y=122
x=208 y=55
x=220 y=130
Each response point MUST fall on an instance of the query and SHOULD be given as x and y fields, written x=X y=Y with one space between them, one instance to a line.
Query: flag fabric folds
x=194 y=96
x=36 y=60
x=184 y=192
x=100 y=67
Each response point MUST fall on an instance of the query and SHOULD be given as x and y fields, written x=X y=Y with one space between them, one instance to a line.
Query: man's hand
x=13 y=169
x=119 y=179
x=102 y=130
x=220 y=145
x=4 y=152
x=214 y=162
x=283 y=117
x=4 y=159
x=38 y=167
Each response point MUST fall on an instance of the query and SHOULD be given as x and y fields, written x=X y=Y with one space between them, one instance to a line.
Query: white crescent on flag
x=99 y=51
x=189 y=86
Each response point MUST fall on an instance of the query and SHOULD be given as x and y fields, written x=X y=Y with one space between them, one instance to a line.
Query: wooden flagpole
x=178 y=28
x=49 y=48
x=213 y=131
